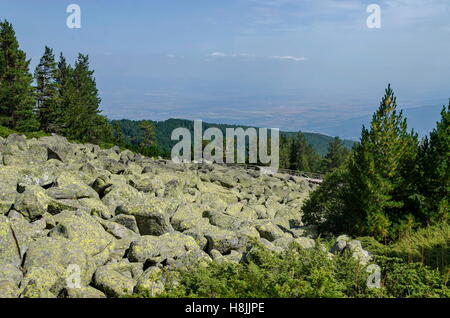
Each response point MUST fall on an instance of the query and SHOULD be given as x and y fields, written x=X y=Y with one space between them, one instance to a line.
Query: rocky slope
x=79 y=221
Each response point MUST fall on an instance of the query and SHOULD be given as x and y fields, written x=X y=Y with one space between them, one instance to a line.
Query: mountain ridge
x=164 y=128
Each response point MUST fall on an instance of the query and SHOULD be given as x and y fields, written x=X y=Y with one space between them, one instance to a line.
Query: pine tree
x=284 y=152
x=47 y=94
x=336 y=155
x=148 y=143
x=81 y=103
x=118 y=134
x=149 y=136
x=17 y=103
x=299 y=159
x=435 y=171
x=381 y=170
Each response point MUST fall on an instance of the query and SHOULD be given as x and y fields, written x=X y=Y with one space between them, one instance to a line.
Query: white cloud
x=218 y=54
x=289 y=58
x=247 y=55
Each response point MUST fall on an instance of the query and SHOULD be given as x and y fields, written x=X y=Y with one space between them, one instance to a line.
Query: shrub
x=304 y=273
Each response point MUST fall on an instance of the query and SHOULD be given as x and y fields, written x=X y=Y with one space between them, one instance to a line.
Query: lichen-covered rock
x=129 y=221
x=48 y=263
x=8 y=289
x=32 y=203
x=96 y=208
x=156 y=249
x=25 y=233
x=83 y=292
x=305 y=242
x=113 y=283
x=151 y=281
x=9 y=250
x=224 y=241
x=10 y=272
x=79 y=205
x=340 y=244
x=86 y=232
x=151 y=217
x=269 y=231
x=356 y=250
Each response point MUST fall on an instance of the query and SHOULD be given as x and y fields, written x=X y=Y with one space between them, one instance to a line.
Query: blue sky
x=292 y=64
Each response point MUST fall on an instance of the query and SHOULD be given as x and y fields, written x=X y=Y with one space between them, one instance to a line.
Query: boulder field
x=80 y=221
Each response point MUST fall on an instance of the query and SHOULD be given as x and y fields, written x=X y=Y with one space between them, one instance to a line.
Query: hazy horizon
x=291 y=64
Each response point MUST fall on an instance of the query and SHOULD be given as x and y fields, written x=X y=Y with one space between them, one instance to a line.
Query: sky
x=310 y=65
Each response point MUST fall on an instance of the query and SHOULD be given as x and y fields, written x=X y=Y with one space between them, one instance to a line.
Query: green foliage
x=5 y=132
x=16 y=91
x=434 y=161
x=387 y=187
x=430 y=245
x=80 y=96
x=303 y=273
x=326 y=206
x=47 y=92
x=336 y=156
x=411 y=280
x=163 y=129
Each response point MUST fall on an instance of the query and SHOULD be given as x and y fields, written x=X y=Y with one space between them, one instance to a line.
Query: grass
x=5 y=132
x=430 y=246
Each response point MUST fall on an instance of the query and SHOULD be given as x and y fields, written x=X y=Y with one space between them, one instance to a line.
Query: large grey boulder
x=269 y=231
x=151 y=215
x=83 y=230
x=83 y=292
x=32 y=203
x=155 y=249
x=9 y=250
x=48 y=265
x=112 y=283
x=8 y=289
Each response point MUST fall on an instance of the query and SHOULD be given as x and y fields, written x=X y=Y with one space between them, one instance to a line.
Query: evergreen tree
x=335 y=156
x=118 y=134
x=375 y=192
x=299 y=160
x=435 y=171
x=47 y=94
x=302 y=156
x=17 y=103
x=381 y=170
x=148 y=143
x=149 y=136
x=284 y=152
x=81 y=102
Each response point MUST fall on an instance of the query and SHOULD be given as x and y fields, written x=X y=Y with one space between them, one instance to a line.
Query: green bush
x=303 y=273
x=5 y=132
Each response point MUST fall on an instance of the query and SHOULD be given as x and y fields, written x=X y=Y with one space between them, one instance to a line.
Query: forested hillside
x=133 y=134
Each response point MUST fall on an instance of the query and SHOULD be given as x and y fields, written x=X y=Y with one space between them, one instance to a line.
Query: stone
x=86 y=232
x=32 y=203
x=8 y=289
x=47 y=265
x=156 y=249
x=83 y=292
x=269 y=231
x=151 y=218
x=129 y=221
x=112 y=283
